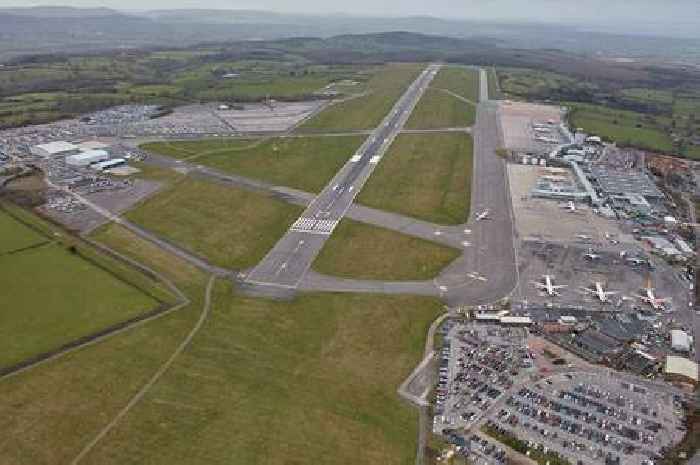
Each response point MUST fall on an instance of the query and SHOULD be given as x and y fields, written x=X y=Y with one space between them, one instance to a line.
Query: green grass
x=366 y=112
x=426 y=176
x=438 y=109
x=312 y=380
x=461 y=81
x=649 y=95
x=494 y=94
x=16 y=236
x=305 y=163
x=230 y=227
x=49 y=413
x=627 y=128
x=182 y=149
x=56 y=293
x=357 y=250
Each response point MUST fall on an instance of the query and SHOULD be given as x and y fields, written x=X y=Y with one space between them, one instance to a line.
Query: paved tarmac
x=286 y=264
x=484 y=273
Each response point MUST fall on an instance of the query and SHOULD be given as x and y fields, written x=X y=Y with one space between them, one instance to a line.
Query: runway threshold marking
x=314 y=226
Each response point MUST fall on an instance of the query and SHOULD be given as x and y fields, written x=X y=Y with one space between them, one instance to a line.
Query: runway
x=487 y=269
x=287 y=263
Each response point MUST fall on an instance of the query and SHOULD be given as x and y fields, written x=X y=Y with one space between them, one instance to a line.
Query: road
x=287 y=263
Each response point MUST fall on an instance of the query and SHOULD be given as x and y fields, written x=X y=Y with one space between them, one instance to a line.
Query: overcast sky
x=605 y=11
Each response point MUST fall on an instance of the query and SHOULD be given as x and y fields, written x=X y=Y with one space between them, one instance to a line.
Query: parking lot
x=478 y=363
x=591 y=417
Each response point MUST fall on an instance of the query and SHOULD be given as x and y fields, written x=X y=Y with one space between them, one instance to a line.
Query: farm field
x=318 y=373
x=305 y=163
x=87 y=83
x=461 y=81
x=438 y=109
x=426 y=176
x=77 y=297
x=366 y=112
x=50 y=412
x=625 y=127
x=361 y=251
x=229 y=227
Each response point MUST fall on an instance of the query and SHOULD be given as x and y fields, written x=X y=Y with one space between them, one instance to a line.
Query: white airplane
x=484 y=215
x=549 y=287
x=649 y=297
x=476 y=276
x=591 y=255
x=636 y=261
x=571 y=206
x=599 y=292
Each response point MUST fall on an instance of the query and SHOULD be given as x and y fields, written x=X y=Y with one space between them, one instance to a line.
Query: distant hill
x=58 y=12
x=66 y=29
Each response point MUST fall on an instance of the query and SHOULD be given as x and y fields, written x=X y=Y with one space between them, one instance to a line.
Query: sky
x=581 y=11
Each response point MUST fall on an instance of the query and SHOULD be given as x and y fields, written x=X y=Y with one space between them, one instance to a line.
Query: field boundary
x=163 y=308
x=154 y=379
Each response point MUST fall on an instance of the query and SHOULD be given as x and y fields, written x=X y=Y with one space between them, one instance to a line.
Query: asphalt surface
x=287 y=263
x=486 y=271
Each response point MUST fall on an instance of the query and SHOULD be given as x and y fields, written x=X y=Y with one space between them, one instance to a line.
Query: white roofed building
x=680 y=341
x=54 y=148
x=87 y=158
x=681 y=369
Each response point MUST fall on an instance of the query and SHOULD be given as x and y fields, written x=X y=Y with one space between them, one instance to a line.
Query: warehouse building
x=680 y=341
x=87 y=158
x=681 y=369
x=617 y=182
x=52 y=149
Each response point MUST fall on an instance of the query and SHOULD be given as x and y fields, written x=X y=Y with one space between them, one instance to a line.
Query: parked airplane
x=591 y=255
x=549 y=287
x=598 y=290
x=571 y=206
x=484 y=215
x=649 y=297
x=476 y=276
x=636 y=261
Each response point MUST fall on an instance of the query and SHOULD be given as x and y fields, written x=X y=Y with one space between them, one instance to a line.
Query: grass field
x=366 y=112
x=426 y=176
x=16 y=236
x=230 y=227
x=305 y=163
x=624 y=127
x=182 y=149
x=76 y=297
x=493 y=84
x=438 y=109
x=47 y=414
x=461 y=81
x=357 y=250
x=312 y=380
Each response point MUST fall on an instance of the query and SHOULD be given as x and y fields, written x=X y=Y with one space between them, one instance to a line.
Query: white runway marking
x=355 y=158
x=375 y=159
x=311 y=225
